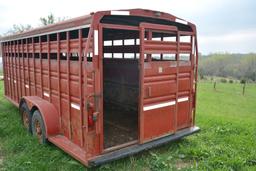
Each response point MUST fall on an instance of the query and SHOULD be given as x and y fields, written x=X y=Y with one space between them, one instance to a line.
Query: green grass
x=227 y=140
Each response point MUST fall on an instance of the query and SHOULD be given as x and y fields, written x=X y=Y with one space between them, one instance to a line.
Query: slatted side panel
x=157 y=47
x=50 y=70
x=53 y=46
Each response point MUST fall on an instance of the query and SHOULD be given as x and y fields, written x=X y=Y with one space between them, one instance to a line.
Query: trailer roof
x=86 y=20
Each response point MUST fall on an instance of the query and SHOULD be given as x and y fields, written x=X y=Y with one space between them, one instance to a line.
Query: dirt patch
x=181 y=164
x=119 y=127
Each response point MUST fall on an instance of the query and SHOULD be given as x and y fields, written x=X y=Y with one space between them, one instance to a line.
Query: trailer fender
x=48 y=111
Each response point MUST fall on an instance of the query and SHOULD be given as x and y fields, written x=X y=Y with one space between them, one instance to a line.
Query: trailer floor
x=120 y=127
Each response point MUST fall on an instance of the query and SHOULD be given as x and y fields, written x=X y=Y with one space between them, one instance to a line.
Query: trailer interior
x=121 y=87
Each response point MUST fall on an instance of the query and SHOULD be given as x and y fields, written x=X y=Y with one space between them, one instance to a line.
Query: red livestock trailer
x=105 y=85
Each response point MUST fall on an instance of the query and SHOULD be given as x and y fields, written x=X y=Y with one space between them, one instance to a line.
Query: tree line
x=20 y=28
x=237 y=66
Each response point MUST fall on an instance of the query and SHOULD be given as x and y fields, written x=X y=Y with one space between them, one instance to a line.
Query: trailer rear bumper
x=111 y=156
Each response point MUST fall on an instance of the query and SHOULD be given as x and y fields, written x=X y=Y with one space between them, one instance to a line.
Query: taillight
x=90 y=119
x=90 y=115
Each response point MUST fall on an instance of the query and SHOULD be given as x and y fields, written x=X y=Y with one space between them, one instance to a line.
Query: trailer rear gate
x=107 y=85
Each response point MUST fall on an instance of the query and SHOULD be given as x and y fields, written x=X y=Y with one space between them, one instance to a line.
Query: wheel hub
x=38 y=131
x=25 y=119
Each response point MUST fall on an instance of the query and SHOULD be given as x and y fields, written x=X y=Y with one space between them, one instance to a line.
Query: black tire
x=26 y=117
x=38 y=127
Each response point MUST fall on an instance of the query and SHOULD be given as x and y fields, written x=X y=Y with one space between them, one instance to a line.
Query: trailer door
x=158 y=81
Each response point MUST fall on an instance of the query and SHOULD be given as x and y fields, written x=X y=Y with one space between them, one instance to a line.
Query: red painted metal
x=60 y=70
x=48 y=112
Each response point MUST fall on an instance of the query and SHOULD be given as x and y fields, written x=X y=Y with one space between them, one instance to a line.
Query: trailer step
x=124 y=152
x=69 y=147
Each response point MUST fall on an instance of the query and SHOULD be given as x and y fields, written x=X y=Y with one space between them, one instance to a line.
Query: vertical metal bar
x=12 y=70
x=16 y=67
x=141 y=94
x=149 y=37
x=161 y=55
x=16 y=73
x=81 y=84
x=3 y=60
x=7 y=68
x=12 y=75
x=59 y=77
x=23 y=68
x=49 y=66
x=191 y=81
x=135 y=43
x=34 y=67
x=2 y=50
x=68 y=83
x=177 y=81
x=19 y=81
x=29 y=84
x=7 y=63
x=86 y=50
x=122 y=48
x=41 y=68
x=112 y=44
x=100 y=61
x=85 y=124
x=196 y=77
x=4 y=67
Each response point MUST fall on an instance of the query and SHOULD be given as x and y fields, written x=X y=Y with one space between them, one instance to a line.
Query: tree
x=18 y=29
x=247 y=67
x=239 y=66
x=51 y=19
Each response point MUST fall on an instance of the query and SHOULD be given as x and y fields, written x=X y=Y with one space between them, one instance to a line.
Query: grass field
x=227 y=140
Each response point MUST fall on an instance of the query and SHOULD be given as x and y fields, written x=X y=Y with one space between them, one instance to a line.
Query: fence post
x=214 y=85
x=244 y=89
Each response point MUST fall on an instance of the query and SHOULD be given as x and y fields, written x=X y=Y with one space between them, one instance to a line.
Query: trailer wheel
x=25 y=117
x=38 y=127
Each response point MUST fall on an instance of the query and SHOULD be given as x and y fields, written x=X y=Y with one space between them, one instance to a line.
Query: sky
x=223 y=25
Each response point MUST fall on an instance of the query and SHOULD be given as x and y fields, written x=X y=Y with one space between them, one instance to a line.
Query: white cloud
x=29 y=11
x=242 y=41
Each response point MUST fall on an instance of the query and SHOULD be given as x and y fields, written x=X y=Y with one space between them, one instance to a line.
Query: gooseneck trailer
x=105 y=85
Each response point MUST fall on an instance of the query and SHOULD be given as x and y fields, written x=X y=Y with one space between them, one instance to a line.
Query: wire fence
x=243 y=89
